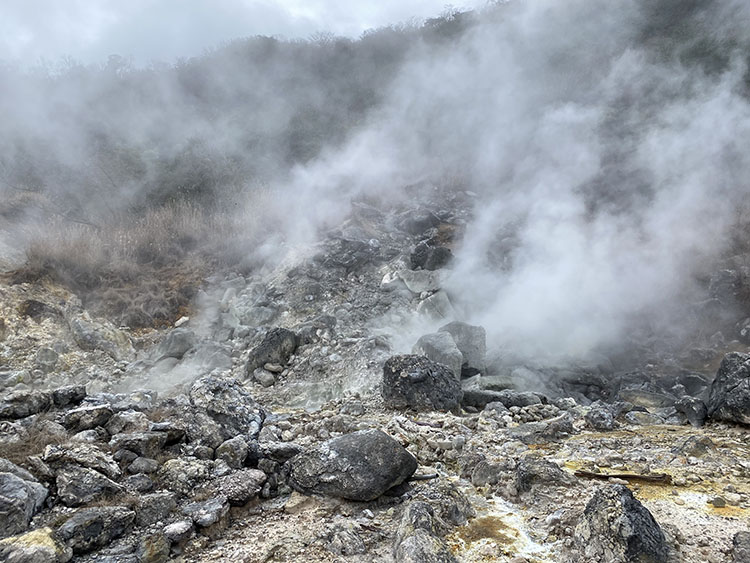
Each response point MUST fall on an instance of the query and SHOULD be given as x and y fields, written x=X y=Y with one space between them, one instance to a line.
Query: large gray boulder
x=616 y=527
x=358 y=466
x=19 y=501
x=471 y=340
x=440 y=348
x=419 y=383
x=229 y=405
x=92 y=528
x=729 y=399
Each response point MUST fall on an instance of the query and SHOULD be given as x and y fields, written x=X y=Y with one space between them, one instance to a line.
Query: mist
x=603 y=142
x=609 y=170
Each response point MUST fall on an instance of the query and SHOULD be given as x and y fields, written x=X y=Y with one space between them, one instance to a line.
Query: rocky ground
x=334 y=407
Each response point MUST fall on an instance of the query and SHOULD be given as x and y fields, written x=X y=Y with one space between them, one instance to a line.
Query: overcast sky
x=163 y=30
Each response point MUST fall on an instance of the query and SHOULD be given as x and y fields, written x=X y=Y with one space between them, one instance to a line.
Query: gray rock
x=345 y=539
x=179 y=531
x=145 y=444
x=741 y=547
x=91 y=528
x=46 y=359
x=154 y=507
x=139 y=483
x=208 y=512
x=264 y=377
x=418 y=537
x=153 y=548
x=532 y=471
x=276 y=347
x=143 y=465
x=20 y=404
x=7 y=466
x=36 y=546
x=68 y=396
x=419 y=383
x=241 y=486
x=616 y=527
x=421 y=280
x=229 y=405
x=87 y=417
x=480 y=398
x=182 y=474
x=90 y=436
x=471 y=340
x=694 y=446
x=600 y=418
x=647 y=399
x=233 y=452
x=357 y=466
x=176 y=344
x=430 y=257
x=19 y=501
x=544 y=431
x=90 y=335
x=729 y=398
x=694 y=409
x=485 y=473
x=80 y=485
x=128 y=421
x=643 y=418
x=440 y=347
x=256 y=316
x=437 y=307
x=85 y=455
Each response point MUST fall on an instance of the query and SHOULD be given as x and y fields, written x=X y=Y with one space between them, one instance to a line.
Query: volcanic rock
x=87 y=417
x=532 y=471
x=358 y=466
x=241 y=486
x=616 y=527
x=36 y=546
x=92 y=528
x=471 y=340
x=90 y=335
x=276 y=347
x=729 y=399
x=417 y=539
x=440 y=347
x=229 y=405
x=176 y=344
x=20 y=404
x=419 y=383
x=154 y=507
x=19 y=501
x=79 y=485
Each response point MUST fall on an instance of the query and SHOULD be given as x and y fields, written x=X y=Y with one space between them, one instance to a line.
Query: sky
x=88 y=31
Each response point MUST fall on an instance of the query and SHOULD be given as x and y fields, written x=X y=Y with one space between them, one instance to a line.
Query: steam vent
x=375 y=282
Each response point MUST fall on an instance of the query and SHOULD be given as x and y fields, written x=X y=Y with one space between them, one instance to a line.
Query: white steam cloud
x=608 y=171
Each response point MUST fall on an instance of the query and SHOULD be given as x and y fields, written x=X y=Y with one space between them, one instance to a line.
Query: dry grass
x=38 y=438
x=140 y=271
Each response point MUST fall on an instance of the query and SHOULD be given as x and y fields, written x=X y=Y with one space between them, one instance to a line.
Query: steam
x=608 y=170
